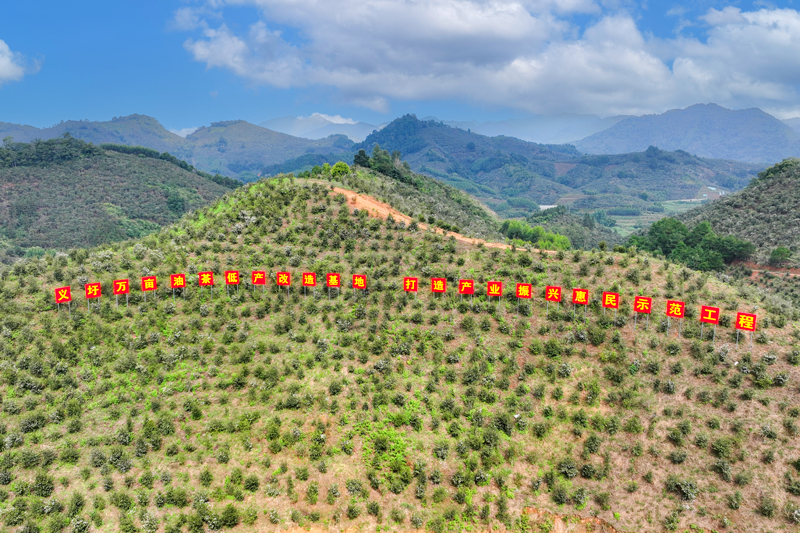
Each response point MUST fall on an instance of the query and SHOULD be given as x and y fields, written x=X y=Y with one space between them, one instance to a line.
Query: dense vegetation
x=585 y=231
x=505 y=172
x=258 y=409
x=699 y=247
x=764 y=213
x=64 y=193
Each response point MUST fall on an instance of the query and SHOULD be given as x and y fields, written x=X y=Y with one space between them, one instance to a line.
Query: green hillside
x=504 y=172
x=65 y=193
x=764 y=213
x=263 y=409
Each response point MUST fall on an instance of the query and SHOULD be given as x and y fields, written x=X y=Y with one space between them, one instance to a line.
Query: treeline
x=385 y=163
x=698 y=248
x=542 y=239
x=219 y=179
x=40 y=153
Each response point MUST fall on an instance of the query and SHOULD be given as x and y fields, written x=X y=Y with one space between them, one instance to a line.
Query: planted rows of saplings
x=387 y=414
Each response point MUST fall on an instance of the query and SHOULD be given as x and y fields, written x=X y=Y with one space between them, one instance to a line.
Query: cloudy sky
x=192 y=62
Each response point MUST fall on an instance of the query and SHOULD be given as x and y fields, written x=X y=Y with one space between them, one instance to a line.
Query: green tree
x=779 y=255
x=341 y=169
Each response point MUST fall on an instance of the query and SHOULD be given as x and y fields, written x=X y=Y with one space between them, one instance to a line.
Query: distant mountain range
x=556 y=129
x=318 y=126
x=508 y=174
x=705 y=130
x=234 y=148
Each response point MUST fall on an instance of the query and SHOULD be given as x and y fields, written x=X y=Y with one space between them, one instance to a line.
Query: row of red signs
x=611 y=300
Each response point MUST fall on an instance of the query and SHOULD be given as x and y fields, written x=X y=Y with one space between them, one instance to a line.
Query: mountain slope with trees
x=253 y=409
x=65 y=193
x=765 y=213
x=505 y=172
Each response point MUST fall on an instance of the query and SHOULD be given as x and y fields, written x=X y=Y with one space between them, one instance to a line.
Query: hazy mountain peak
x=706 y=130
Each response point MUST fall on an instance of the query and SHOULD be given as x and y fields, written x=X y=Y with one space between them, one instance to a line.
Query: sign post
x=206 y=279
x=709 y=315
x=580 y=297
x=122 y=286
x=333 y=281
x=675 y=309
x=642 y=304
x=611 y=300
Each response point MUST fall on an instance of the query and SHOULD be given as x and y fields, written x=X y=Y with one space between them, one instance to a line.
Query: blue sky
x=189 y=63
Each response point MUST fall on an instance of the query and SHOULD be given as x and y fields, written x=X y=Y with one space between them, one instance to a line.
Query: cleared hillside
x=267 y=408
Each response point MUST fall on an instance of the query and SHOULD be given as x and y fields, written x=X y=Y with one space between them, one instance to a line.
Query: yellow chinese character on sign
x=466 y=284
x=438 y=285
x=283 y=278
x=121 y=286
x=63 y=294
x=148 y=284
x=611 y=299
x=308 y=279
x=231 y=277
x=580 y=297
x=335 y=279
x=359 y=283
x=92 y=290
x=205 y=278
x=524 y=290
x=746 y=322
x=642 y=305
x=674 y=309
x=494 y=289
x=411 y=284
x=552 y=293
x=258 y=276
x=180 y=282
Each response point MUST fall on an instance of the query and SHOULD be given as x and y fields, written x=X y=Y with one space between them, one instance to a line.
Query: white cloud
x=184 y=131
x=527 y=54
x=13 y=65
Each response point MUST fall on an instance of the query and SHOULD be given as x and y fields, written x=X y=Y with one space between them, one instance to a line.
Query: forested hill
x=508 y=173
x=63 y=193
x=766 y=213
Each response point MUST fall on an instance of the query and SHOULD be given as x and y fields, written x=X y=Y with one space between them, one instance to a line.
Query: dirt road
x=379 y=209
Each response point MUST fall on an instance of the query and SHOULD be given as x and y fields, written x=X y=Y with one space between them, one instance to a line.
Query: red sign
x=359 y=281
x=93 y=290
x=177 y=281
x=709 y=315
x=643 y=304
x=746 y=321
x=524 y=290
x=552 y=294
x=675 y=309
x=466 y=286
x=438 y=284
x=410 y=284
x=580 y=296
x=494 y=288
x=258 y=277
x=122 y=286
x=149 y=283
x=205 y=279
x=611 y=300
x=231 y=277
x=284 y=279
x=333 y=280
x=309 y=279
x=63 y=295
